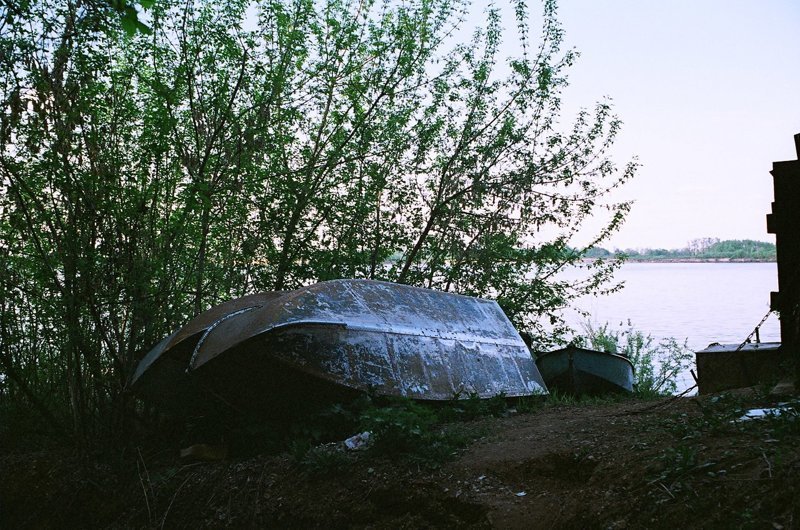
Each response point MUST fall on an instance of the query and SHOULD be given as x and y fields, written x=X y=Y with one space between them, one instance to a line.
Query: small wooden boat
x=276 y=351
x=580 y=371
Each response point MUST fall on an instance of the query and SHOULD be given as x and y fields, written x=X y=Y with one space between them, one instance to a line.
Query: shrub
x=656 y=364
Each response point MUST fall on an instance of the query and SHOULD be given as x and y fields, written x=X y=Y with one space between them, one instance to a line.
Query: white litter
x=757 y=414
x=358 y=441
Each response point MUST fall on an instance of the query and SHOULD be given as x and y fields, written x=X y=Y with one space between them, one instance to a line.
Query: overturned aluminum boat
x=280 y=350
x=575 y=370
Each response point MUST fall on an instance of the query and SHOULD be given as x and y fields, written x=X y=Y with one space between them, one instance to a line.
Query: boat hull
x=161 y=376
x=580 y=371
x=337 y=339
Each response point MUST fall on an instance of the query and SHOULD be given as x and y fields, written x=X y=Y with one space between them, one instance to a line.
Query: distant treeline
x=698 y=249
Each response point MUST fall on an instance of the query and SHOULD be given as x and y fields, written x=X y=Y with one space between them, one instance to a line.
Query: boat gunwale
x=585 y=350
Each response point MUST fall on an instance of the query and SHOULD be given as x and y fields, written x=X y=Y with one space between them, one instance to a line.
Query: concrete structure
x=725 y=366
x=784 y=222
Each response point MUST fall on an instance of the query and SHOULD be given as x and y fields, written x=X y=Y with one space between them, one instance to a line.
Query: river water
x=699 y=302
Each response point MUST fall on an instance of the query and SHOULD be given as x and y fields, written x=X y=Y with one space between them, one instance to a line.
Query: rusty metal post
x=784 y=222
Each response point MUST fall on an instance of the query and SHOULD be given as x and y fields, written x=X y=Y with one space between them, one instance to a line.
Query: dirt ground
x=670 y=463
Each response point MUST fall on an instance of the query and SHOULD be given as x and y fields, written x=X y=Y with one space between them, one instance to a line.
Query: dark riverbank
x=671 y=463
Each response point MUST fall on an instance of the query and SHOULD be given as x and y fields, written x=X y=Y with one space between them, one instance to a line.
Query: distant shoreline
x=705 y=250
x=686 y=260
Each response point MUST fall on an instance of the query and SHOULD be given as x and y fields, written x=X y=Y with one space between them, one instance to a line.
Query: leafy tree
x=238 y=146
x=598 y=252
x=698 y=246
x=741 y=249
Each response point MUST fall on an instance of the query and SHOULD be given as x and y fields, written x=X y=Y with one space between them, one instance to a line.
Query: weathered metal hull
x=579 y=371
x=161 y=375
x=338 y=338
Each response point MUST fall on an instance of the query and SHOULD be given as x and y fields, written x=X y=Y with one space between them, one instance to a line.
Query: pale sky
x=709 y=93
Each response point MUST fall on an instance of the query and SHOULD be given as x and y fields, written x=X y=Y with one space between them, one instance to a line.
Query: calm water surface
x=700 y=302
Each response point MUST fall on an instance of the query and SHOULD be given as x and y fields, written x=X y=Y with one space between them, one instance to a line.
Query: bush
x=403 y=428
x=656 y=364
x=425 y=433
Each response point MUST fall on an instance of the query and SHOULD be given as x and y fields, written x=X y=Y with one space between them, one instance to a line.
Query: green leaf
x=129 y=25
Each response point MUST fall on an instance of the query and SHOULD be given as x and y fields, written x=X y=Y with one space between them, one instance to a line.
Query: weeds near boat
x=322 y=460
x=656 y=364
x=424 y=434
x=557 y=398
x=766 y=439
